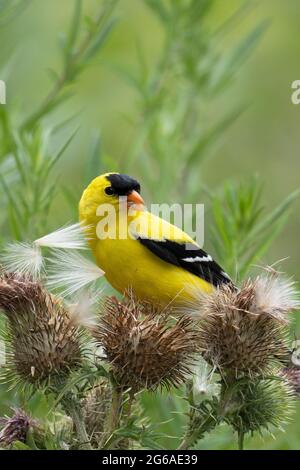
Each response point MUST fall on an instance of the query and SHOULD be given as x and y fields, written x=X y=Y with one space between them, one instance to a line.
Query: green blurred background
x=264 y=140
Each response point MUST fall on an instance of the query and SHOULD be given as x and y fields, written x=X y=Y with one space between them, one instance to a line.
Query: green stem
x=241 y=440
x=74 y=410
x=192 y=436
x=113 y=420
x=125 y=443
x=186 y=443
x=202 y=419
x=197 y=427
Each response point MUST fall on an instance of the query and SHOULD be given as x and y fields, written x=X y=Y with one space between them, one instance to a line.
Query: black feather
x=174 y=253
x=123 y=184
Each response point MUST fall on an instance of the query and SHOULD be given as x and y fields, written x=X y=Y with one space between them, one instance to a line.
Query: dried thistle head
x=260 y=405
x=15 y=428
x=145 y=348
x=245 y=330
x=43 y=340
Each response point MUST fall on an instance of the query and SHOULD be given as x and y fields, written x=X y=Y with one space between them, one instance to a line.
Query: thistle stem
x=191 y=437
x=200 y=424
x=126 y=442
x=114 y=417
x=241 y=440
x=187 y=442
x=113 y=420
x=74 y=410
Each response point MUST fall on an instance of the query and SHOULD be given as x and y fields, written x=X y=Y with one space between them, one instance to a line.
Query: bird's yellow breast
x=129 y=265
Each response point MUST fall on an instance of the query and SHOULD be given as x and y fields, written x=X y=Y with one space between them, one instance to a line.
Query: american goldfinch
x=143 y=253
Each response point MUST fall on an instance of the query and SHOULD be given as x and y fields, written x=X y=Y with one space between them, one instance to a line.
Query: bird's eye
x=109 y=191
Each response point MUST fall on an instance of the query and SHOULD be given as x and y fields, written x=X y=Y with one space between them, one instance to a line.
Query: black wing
x=189 y=257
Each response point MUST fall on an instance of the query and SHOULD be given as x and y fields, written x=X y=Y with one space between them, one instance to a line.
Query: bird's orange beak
x=134 y=198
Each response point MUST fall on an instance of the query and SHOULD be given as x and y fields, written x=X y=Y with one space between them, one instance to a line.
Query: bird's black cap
x=123 y=184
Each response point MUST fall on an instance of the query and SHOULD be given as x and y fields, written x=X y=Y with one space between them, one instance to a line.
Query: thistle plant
x=240 y=333
x=44 y=342
x=16 y=428
x=20 y=431
x=145 y=350
x=243 y=335
x=244 y=330
x=96 y=405
x=42 y=339
x=259 y=405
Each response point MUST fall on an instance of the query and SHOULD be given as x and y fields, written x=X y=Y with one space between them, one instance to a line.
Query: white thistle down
x=70 y=237
x=84 y=309
x=276 y=295
x=204 y=385
x=27 y=258
x=69 y=272
x=23 y=258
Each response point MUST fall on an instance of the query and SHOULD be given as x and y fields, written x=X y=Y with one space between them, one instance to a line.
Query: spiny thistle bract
x=43 y=339
x=145 y=348
x=15 y=428
x=245 y=330
x=259 y=405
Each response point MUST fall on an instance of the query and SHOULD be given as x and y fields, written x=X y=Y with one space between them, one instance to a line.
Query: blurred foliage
x=9 y=10
x=242 y=232
x=174 y=134
x=175 y=119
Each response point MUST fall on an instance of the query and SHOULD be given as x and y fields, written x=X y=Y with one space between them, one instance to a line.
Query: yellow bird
x=139 y=251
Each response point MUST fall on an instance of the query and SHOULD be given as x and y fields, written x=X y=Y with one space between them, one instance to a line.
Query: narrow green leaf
x=100 y=40
x=269 y=220
x=75 y=27
x=158 y=8
x=262 y=246
x=197 y=153
x=94 y=166
x=57 y=156
x=243 y=50
x=11 y=197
